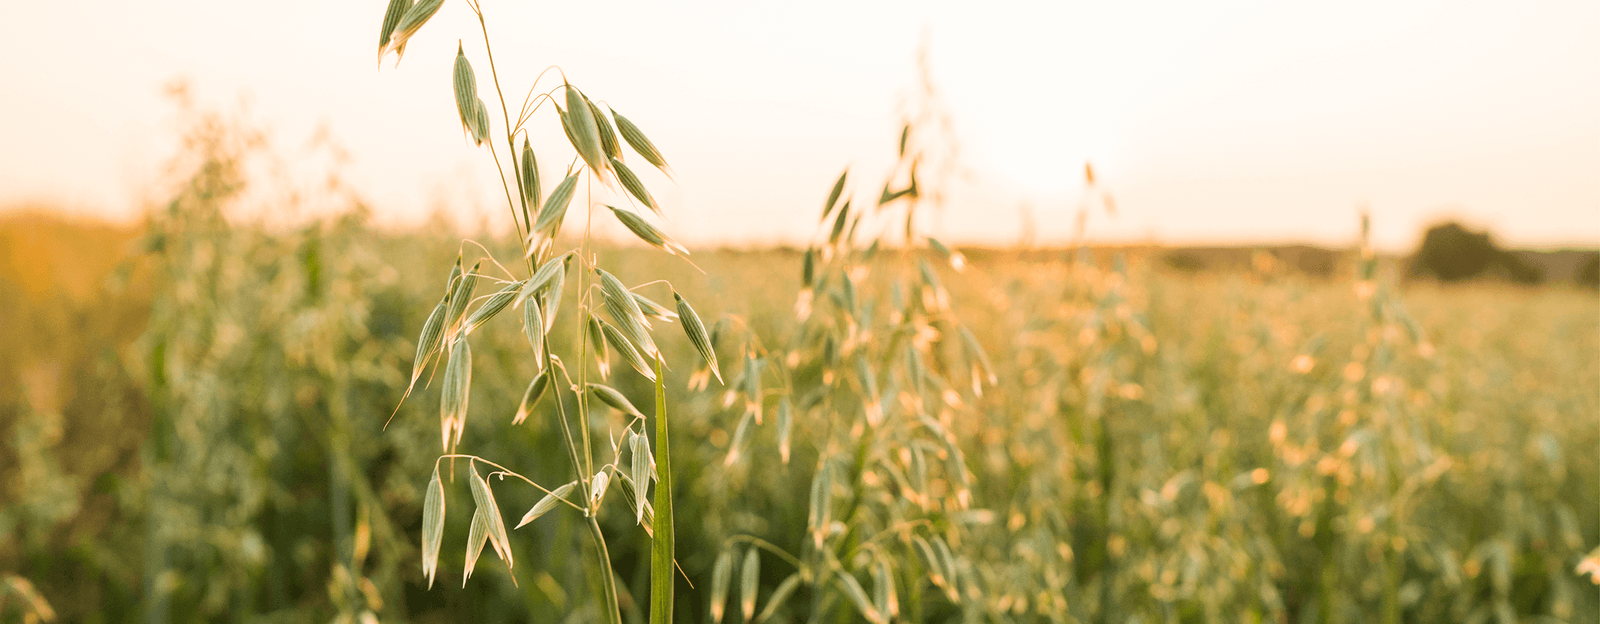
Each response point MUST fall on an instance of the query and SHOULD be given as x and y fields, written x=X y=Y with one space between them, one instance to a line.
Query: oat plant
x=610 y=316
x=869 y=385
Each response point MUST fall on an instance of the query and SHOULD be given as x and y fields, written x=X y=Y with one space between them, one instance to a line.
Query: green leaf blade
x=663 y=543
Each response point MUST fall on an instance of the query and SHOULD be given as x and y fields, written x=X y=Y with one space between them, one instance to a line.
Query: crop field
x=194 y=431
x=219 y=415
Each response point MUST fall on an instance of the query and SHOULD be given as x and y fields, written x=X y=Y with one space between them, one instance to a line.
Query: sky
x=1229 y=123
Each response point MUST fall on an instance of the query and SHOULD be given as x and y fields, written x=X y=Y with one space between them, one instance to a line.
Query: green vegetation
x=1194 y=447
x=879 y=428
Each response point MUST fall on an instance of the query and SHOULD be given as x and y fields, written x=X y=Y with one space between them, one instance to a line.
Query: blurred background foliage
x=192 y=428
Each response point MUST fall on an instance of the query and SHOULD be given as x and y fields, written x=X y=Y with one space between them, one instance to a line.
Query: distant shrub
x=1588 y=273
x=1451 y=253
x=1184 y=262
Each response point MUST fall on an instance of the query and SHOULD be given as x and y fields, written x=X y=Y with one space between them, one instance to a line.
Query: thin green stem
x=767 y=546
x=584 y=300
x=511 y=145
x=566 y=430
x=522 y=238
x=526 y=100
x=608 y=580
x=505 y=471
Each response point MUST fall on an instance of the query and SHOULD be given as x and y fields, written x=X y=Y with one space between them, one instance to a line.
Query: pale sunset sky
x=1223 y=122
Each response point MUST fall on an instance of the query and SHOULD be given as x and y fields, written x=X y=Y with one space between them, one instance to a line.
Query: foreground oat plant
x=577 y=398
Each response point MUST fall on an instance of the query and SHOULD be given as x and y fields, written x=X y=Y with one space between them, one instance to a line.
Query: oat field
x=213 y=417
x=900 y=434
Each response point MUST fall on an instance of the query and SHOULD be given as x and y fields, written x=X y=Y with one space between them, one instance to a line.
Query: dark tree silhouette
x=1451 y=253
x=1588 y=273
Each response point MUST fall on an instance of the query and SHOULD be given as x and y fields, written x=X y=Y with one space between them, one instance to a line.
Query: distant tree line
x=1450 y=252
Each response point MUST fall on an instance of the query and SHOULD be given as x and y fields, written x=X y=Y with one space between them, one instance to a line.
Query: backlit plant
x=609 y=316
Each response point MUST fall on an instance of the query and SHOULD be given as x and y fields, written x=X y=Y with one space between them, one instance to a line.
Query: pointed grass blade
x=785 y=425
x=640 y=448
x=778 y=597
x=533 y=328
x=391 y=19
x=625 y=311
x=947 y=564
x=531 y=396
x=480 y=123
x=637 y=140
x=410 y=23
x=663 y=540
x=484 y=497
x=555 y=209
x=696 y=331
x=975 y=351
x=552 y=295
x=648 y=233
x=608 y=134
x=530 y=177
x=466 y=91
x=584 y=134
x=858 y=597
x=821 y=514
x=611 y=397
x=838 y=223
x=654 y=310
x=634 y=186
x=597 y=345
x=883 y=593
x=930 y=560
x=455 y=393
x=432 y=525
x=749 y=582
x=428 y=342
x=546 y=504
x=549 y=275
x=740 y=434
x=721 y=574
x=492 y=306
x=833 y=195
x=626 y=349
x=597 y=491
x=752 y=385
x=477 y=536
x=808 y=268
x=460 y=296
